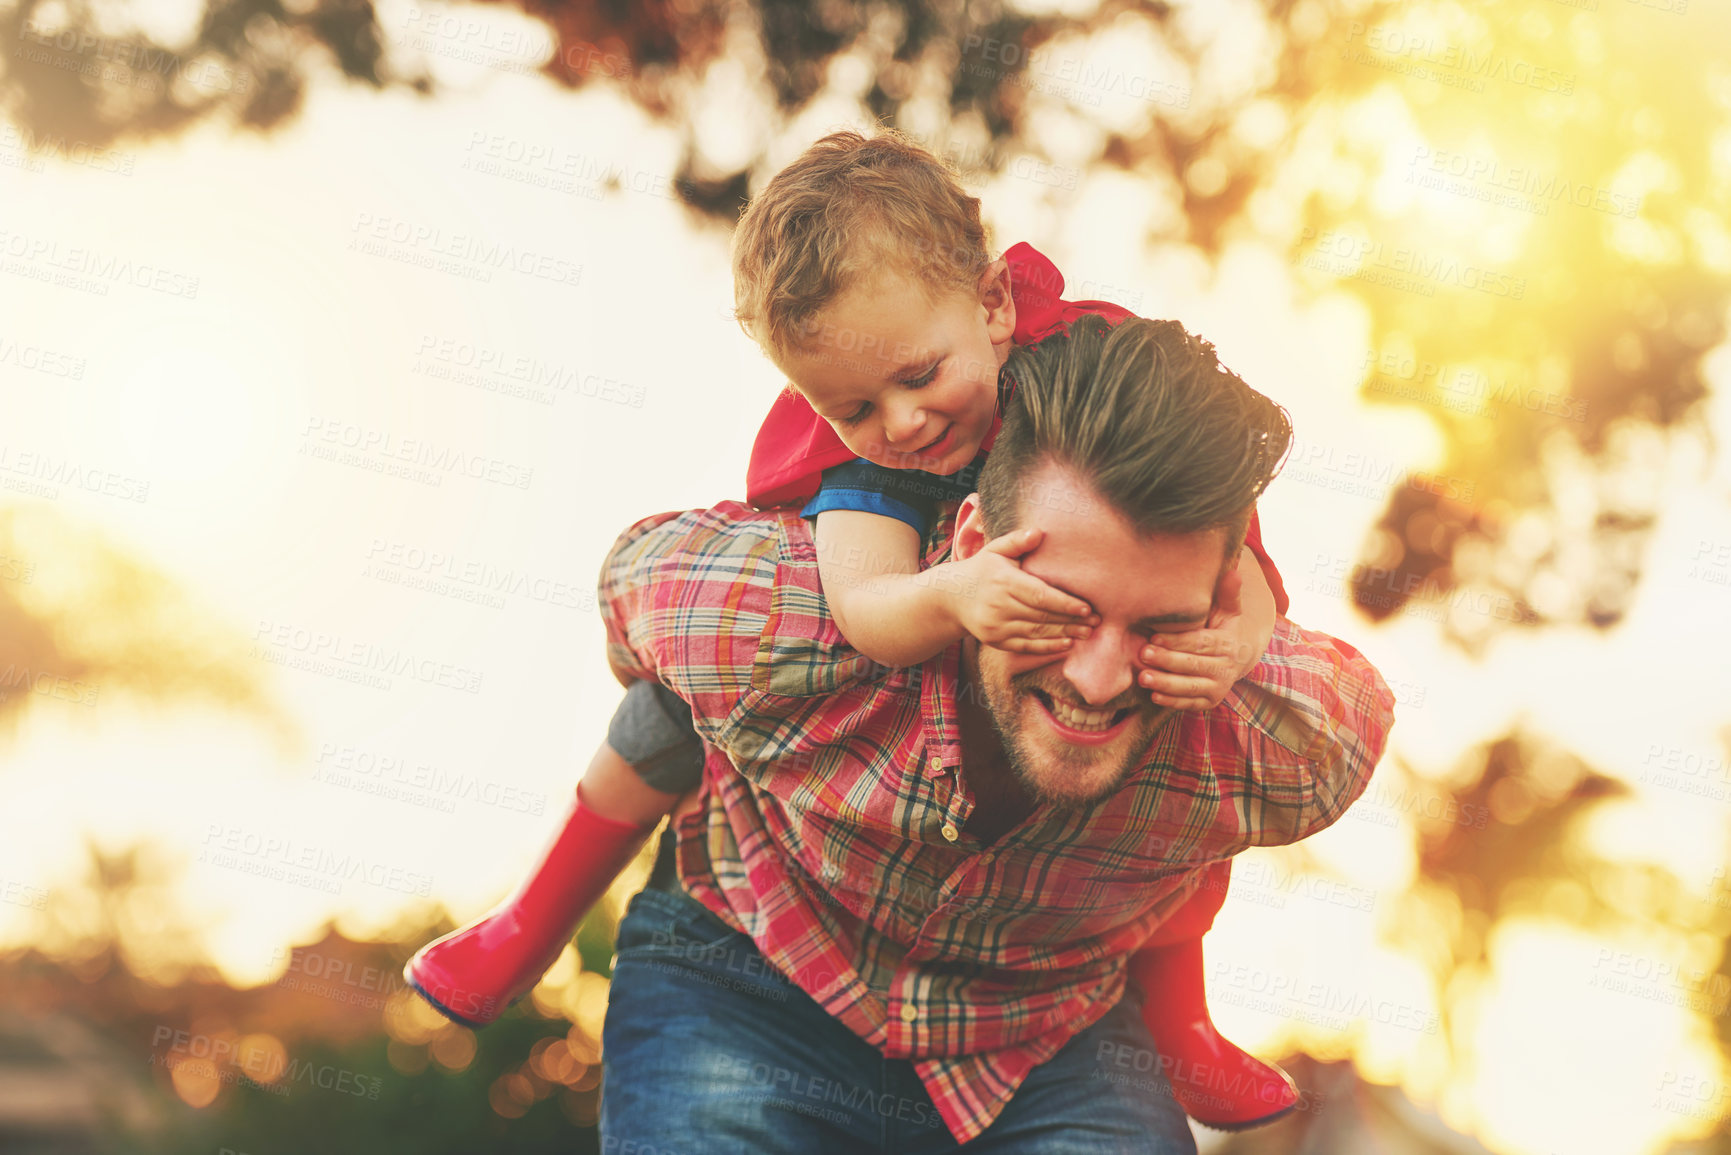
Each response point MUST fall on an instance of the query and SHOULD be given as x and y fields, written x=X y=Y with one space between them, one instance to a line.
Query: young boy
x=862 y=272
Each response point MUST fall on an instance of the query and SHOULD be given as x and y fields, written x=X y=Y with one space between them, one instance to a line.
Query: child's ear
x=969 y=536
x=999 y=303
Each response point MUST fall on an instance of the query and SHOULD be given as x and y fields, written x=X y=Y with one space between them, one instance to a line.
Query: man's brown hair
x=849 y=205
x=1170 y=439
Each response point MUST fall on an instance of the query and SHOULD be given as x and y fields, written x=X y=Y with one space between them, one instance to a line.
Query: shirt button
x=988 y=856
x=950 y=831
x=909 y=1012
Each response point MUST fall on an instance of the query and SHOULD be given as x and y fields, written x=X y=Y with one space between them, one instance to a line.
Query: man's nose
x=1100 y=666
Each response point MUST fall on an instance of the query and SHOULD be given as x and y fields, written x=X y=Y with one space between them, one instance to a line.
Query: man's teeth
x=1078 y=719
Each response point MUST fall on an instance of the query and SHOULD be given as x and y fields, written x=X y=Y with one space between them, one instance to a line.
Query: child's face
x=906 y=380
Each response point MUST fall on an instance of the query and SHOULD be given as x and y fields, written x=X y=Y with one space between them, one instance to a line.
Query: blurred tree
x=118 y=1035
x=1534 y=217
x=85 y=622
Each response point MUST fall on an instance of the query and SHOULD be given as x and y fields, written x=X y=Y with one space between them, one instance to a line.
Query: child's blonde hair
x=848 y=205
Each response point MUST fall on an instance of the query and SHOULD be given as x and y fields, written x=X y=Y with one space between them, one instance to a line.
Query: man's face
x=906 y=376
x=1074 y=724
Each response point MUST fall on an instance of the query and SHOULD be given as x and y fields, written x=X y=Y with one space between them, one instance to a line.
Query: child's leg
x=1217 y=1083
x=651 y=757
x=613 y=789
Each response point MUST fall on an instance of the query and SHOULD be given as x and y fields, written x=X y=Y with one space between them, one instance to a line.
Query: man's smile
x=1081 y=725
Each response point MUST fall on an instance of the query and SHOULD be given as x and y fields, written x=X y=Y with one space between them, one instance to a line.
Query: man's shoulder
x=698 y=572
x=735 y=588
x=726 y=542
x=727 y=521
x=688 y=598
x=1309 y=686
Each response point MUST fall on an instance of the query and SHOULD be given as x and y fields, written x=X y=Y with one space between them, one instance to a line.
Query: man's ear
x=997 y=300
x=969 y=536
x=1228 y=582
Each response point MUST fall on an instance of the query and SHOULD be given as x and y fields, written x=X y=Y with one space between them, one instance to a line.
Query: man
x=906 y=898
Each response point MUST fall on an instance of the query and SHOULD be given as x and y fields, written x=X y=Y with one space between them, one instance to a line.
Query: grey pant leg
x=652 y=730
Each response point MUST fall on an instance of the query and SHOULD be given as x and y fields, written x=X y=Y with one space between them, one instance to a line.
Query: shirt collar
x=940 y=687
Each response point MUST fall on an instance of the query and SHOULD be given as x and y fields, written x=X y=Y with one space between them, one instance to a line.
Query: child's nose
x=902 y=422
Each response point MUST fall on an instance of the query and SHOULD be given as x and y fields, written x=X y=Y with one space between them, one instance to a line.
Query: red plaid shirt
x=832 y=829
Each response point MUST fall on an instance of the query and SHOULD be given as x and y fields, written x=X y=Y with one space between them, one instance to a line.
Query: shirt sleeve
x=685 y=600
x=908 y=495
x=1295 y=742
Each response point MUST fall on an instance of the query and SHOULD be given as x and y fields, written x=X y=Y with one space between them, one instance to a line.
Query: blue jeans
x=710 y=1051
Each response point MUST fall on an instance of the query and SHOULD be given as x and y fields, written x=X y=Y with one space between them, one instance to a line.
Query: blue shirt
x=908 y=495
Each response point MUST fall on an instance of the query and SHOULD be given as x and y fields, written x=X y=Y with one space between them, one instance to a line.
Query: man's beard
x=1011 y=712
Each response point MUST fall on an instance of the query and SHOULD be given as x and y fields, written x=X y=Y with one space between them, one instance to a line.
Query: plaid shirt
x=832 y=829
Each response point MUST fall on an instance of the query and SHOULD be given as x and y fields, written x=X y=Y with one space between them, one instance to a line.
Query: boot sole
x=1249 y=1124
x=460 y=1020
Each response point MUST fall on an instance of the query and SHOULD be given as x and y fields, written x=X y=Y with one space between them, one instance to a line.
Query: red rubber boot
x=1218 y=1084
x=471 y=975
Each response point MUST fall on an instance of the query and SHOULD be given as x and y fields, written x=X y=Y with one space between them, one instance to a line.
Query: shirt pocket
x=827 y=756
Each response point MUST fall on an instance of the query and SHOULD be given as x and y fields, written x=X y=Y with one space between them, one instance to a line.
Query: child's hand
x=997 y=601
x=1196 y=669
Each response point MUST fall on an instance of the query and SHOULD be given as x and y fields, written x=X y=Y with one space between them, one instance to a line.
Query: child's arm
x=898 y=615
x=1196 y=669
